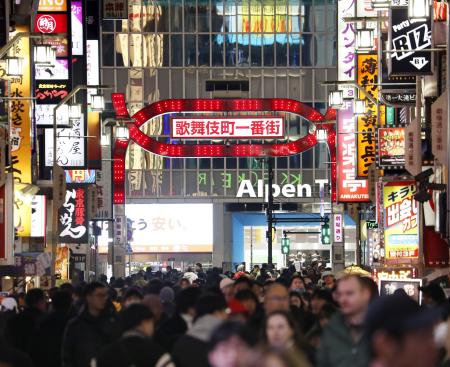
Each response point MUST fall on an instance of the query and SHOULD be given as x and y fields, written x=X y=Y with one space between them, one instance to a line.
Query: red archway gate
x=217 y=150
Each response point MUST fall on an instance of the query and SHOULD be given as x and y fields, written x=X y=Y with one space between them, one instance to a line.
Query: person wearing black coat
x=91 y=331
x=20 y=328
x=11 y=357
x=136 y=347
x=45 y=348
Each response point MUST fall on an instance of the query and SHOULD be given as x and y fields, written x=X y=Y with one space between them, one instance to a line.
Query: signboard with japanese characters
x=80 y=176
x=72 y=216
x=77 y=27
x=51 y=93
x=70 y=150
x=400 y=97
x=391 y=147
x=410 y=286
x=350 y=189
x=51 y=23
x=346 y=56
x=120 y=229
x=103 y=184
x=439 y=115
x=115 y=9
x=338 y=228
x=407 y=39
x=33 y=263
x=401 y=222
x=413 y=148
x=260 y=127
x=367 y=79
x=52 y=5
x=59 y=71
x=38 y=216
x=20 y=133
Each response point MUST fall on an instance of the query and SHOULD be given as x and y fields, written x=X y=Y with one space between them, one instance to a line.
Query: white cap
x=225 y=282
x=9 y=304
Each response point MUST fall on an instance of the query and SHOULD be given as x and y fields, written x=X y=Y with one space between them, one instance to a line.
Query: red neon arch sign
x=217 y=150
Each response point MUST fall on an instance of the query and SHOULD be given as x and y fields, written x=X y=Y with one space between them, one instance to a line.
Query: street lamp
x=14 y=66
x=322 y=135
x=44 y=55
x=418 y=10
x=359 y=106
x=364 y=38
x=97 y=102
x=336 y=99
x=74 y=111
x=380 y=4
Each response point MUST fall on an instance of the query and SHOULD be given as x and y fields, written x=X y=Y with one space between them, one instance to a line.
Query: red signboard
x=262 y=127
x=51 y=23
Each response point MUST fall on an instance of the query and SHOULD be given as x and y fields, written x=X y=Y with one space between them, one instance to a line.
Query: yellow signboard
x=367 y=123
x=20 y=134
x=52 y=5
x=401 y=222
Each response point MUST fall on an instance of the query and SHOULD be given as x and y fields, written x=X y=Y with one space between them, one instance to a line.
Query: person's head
x=227 y=287
x=184 y=283
x=297 y=284
x=132 y=295
x=295 y=299
x=242 y=283
x=328 y=279
x=433 y=295
x=61 y=301
x=229 y=342
x=186 y=300
x=276 y=298
x=153 y=302
x=353 y=295
x=319 y=298
x=96 y=297
x=325 y=314
x=139 y=318
x=198 y=268
x=211 y=304
x=35 y=298
x=400 y=332
x=280 y=330
x=248 y=299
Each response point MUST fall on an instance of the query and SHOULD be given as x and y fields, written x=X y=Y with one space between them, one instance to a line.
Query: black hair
x=187 y=298
x=297 y=276
x=229 y=329
x=246 y=294
x=322 y=294
x=371 y=285
x=92 y=287
x=210 y=303
x=67 y=287
x=327 y=311
x=34 y=296
x=244 y=279
x=132 y=292
x=61 y=300
x=154 y=286
x=133 y=315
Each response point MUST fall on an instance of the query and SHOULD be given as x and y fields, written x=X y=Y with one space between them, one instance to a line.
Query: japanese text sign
x=346 y=45
x=228 y=128
x=401 y=221
x=391 y=146
x=407 y=39
x=367 y=79
x=80 y=176
x=115 y=9
x=51 y=23
x=350 y=189
x=338 y=228
x=52 y=5
x=72 y=216
x=410 y=286
x=439 y=115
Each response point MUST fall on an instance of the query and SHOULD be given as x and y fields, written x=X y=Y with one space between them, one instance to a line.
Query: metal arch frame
x=217 y=150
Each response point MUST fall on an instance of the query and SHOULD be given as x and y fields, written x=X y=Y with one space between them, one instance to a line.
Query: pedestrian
x=46 y=342
x=276 y=298
x=433 y=295
x=92 y=330
x=20 y=327
x=400 y=332
x=135 y=347
x=192 y=349
x=297 y=284
x=342 y=343
x=328 y=279
x=8 y=309
x=227 y=287
x=132 y=295
x=11 y=357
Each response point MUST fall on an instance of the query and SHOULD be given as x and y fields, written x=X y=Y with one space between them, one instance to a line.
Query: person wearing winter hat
x=227 y=287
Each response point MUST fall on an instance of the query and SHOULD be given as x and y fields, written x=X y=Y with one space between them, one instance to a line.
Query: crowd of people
x=261 y=318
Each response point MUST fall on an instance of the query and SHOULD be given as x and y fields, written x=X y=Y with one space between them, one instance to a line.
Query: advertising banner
x=346 y=56
x=413 y=148
x=350 y=189
x=391 y=147
x=51 y=23
x=227 y=128
x=115 y=9
x=81 y=176
x=33 y=263
x=52 y=5
x=77 y=27
x=407 y=39
x=171 y=227
x=103 y=182
x=401 y=221
x=52 y=92
x=439 y=116
x=38 y=216
x=20 y=134
x=338 y=228
x=367 y=78
x=72 y=216
x=59 y=71
x=62 y=263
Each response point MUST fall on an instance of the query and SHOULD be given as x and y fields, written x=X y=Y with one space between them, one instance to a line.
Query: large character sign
x=217 y=150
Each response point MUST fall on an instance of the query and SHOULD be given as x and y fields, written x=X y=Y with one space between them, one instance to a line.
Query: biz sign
x=405 y=36
x=265 y=127
x=287 y=191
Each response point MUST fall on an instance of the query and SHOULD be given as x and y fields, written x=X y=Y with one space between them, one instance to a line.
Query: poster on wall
x=350 y=189
x=401 y=222
x=410 y=42
x=72 y=216
x=391 y=147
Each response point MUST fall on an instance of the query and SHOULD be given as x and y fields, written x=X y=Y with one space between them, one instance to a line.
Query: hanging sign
x=51 y=23
x=350 y=189
x=77 y=27
x=38 y=216
x=338 y=227
x=413 y=148
x=52 y=5
x=72 y=216
x=346 y=56
x=439 y=116
x=115 y=9
x=51 y=93
x=59 y=71
x=407 y=39
x=391 y=147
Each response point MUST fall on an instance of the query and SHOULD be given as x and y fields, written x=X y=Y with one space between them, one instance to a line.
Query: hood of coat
x=203 y=327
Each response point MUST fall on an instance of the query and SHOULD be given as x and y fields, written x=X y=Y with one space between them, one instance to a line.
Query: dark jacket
x=13 y=357
x=134 y=349
x=20 y=328
x=45 y=347
x=85 y=336
x=192 y=349
x=171 y=330
x=337 y=348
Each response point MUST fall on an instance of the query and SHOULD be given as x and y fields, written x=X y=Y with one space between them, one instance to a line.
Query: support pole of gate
x=269 y=211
